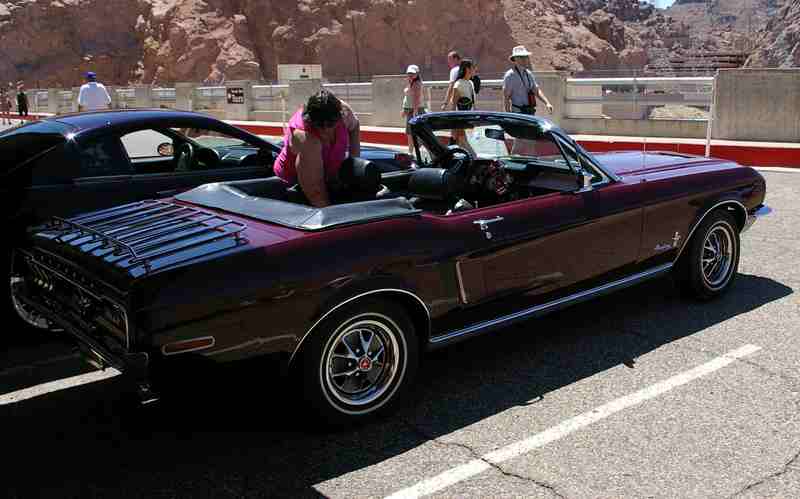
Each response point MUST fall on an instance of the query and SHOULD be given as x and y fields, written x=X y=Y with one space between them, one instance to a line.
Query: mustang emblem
x=676 y=239
x=365 y=364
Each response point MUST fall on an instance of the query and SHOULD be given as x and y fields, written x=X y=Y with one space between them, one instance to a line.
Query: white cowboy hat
x=519 y=51
x=412 y=69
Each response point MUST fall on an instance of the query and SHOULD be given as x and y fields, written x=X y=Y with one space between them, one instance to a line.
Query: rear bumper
x=759 y=212
x=135 y=367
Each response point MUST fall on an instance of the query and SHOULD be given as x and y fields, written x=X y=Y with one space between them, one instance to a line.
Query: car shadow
x=246 y=436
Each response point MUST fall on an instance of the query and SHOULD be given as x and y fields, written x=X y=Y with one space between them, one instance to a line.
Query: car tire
x=359 y=363
x=708 y=267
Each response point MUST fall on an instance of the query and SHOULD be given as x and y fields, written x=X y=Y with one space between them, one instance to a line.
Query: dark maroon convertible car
x=515 y=222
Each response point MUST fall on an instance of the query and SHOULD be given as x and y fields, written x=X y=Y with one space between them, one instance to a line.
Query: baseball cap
x=412 y=69
x=91 y=75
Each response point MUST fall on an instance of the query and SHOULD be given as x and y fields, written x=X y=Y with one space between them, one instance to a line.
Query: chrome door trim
x=460 y=278
x=700 y=220
x=351 y=299
x=474 y=329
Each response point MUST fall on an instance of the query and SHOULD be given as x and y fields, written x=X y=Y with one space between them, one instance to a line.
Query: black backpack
x=476 y=82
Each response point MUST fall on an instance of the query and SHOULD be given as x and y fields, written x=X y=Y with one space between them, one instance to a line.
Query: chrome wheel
x=28 y=315
x=362 y=362
x=717 y=256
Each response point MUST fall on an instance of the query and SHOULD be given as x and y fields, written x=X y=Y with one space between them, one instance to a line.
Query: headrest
x=435 y=183
x=360 y=174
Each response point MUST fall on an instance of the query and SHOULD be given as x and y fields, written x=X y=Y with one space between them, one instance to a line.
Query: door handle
x=484 y=225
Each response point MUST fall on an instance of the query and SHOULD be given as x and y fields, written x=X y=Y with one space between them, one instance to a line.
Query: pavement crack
x=789 y=466
x=419 y=431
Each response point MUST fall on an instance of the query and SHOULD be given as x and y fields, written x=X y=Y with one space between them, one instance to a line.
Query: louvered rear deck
x=148 y=235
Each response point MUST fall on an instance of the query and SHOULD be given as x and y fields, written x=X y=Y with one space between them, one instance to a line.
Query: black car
x=82 y=162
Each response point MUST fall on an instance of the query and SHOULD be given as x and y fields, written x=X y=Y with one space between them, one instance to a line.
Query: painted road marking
x=54 y=386
x=477 y=466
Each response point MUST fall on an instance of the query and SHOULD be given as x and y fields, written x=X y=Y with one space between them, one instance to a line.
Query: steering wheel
x=185 y=154
x=209 y=157
x=460 y=164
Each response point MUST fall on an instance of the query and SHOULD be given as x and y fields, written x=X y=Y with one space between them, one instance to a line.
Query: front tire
x=709 y=266
x=359 y=363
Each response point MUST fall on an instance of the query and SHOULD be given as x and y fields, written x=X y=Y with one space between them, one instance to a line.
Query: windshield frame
x=422 y=134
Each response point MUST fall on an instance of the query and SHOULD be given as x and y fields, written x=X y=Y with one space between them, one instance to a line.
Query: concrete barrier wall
x=638 y=128
x=757 y=104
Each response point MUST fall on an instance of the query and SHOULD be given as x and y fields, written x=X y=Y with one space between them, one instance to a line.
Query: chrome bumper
x=759 y=212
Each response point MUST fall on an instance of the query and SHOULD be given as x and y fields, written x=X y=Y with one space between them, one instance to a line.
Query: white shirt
x=93 y=96
x=453 y=74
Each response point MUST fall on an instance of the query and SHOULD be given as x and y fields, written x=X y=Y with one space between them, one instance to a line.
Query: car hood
x=627 y=163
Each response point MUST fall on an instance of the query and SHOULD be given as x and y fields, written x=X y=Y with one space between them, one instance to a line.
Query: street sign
x=235 y=95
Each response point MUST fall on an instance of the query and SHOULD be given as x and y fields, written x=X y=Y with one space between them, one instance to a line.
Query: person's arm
x=416 y=94
x=310 y=173
x=81 y=100
x=108 y=97
x=506 y=94
x=452 y=97
x=449 y=95
x=543 y=98
x=353 y=126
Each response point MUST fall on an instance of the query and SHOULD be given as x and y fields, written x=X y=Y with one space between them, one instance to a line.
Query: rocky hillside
x=779 y=41
x=53 y=42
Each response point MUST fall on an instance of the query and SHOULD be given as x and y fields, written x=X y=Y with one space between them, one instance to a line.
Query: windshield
x=211 y=138
x=513 y=142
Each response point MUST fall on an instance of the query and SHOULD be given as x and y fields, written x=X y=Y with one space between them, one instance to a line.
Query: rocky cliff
x=779 y=41
x=53 y=42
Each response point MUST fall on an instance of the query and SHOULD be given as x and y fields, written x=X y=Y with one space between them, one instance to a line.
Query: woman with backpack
x=463 y=99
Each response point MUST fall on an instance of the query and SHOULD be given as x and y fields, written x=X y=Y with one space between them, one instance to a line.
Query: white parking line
x=477 y=466
x=54 y=386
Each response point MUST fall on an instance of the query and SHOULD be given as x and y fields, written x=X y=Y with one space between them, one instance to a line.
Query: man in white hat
x=520 y=90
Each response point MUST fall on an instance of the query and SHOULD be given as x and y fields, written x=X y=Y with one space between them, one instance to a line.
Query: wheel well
x=417 y=312
x=738 y=212
x=735 y=208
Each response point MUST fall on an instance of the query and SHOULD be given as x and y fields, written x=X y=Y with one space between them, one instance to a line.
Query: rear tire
x=359 y=363
x=709 y=266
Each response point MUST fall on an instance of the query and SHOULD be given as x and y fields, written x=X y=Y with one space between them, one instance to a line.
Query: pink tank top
x=332 y=155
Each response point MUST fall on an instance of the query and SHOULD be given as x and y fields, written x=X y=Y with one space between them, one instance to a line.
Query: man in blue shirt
x=519 y=83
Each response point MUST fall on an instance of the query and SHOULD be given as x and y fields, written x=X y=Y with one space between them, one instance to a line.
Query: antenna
x=644 y=152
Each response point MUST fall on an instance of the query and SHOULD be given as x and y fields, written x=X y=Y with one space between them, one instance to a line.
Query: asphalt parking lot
x=638 y=394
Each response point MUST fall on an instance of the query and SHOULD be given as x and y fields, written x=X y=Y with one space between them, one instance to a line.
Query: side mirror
x=584 y=181
x=165 y=149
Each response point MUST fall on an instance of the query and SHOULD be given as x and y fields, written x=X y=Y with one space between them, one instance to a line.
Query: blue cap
x=91 y=75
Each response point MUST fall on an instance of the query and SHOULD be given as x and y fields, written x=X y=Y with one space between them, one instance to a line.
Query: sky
x=661 y=4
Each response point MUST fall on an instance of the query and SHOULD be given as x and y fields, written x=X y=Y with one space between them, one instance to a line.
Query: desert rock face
x=53 y=42
x=779 y=41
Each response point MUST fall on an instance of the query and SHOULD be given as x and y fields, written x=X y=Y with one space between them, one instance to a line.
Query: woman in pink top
x=318 y=139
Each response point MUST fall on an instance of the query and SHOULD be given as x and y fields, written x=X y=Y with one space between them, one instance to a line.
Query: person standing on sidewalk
x=22 y=100
x=520 y=89
x=454 y=62
x=463 y=99
x=412 y=100
x=5 y=107
x=93 y=96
